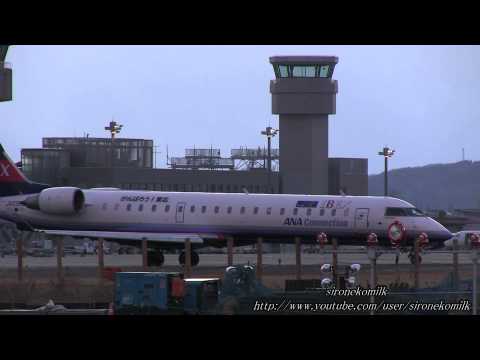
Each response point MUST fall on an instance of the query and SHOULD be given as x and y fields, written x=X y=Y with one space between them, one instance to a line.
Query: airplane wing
x=156 y=237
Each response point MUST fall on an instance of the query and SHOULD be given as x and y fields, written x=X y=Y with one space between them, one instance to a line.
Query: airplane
x=463 y=240
x=167 y=219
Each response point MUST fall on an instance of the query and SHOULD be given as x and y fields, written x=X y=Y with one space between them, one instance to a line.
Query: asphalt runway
x=209 y=260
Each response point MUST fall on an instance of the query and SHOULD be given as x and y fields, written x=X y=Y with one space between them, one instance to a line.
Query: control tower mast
x=303 y=95
x=5 y=75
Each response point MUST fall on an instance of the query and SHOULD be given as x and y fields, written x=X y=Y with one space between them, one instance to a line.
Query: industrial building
x=303 y=95
x=95 y=162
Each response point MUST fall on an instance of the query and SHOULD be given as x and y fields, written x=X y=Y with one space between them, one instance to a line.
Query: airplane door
x=180 y=214
x=361 y=218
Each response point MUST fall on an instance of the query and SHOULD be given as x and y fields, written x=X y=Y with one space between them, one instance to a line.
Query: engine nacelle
x=57 y=201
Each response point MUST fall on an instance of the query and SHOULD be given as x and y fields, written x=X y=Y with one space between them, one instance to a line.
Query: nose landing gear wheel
x=155 y=258
x=195 y=258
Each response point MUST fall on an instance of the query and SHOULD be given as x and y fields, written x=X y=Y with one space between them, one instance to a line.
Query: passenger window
x=217 y=209
x=269 y=211
x=322 y=212
x=282 y=211
x=104 y=206
x=334 y=212
x=180 y=209
x=309 y=212
x=346 y=212
x=255 y=210
x=154 y=208
x=229 y=210
x=204 y=209
x=242 y=210
x=129 y=207
x=295 y=211
x=140 y=207
x=192 y=208
x=117 y=206
x=167 y=208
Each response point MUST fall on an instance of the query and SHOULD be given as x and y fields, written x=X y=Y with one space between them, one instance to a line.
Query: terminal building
x=303 y=95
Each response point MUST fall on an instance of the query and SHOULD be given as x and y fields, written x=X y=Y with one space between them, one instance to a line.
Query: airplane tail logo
x=9 y=173
x=12 y=180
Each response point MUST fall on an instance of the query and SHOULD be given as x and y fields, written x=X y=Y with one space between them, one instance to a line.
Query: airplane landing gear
x=411 y=256
x=155 y=258
x=195 y=258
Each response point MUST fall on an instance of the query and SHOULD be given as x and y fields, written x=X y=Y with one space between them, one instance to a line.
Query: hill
x=436 y=186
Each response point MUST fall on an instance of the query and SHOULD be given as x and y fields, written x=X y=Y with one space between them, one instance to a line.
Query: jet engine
x=57 y=201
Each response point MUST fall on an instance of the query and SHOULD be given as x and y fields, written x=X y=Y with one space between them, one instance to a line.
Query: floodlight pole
x=269 y=132
x=386 y=153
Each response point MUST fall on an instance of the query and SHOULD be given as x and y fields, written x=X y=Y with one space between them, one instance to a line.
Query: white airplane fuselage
x=275 y=217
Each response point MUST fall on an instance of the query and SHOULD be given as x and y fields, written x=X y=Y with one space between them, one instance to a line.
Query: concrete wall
x=5 y=84
x=349 y=175
x=304 y=154
x=170 y=180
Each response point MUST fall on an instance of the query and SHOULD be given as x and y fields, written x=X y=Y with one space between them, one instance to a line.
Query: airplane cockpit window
x=414 y=212
x=403 y=212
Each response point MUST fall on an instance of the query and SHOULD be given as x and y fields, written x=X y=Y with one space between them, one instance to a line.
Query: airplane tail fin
x=12 y=180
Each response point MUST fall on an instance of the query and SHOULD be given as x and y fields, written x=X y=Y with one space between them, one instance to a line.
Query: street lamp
x=113 y=128
x=269 y=132
x=386 y=152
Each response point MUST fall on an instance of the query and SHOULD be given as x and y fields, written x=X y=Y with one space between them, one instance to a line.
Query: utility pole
x=269 y=132
x=386 y=153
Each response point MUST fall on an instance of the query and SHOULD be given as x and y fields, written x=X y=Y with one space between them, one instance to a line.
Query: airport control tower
x=303 y=95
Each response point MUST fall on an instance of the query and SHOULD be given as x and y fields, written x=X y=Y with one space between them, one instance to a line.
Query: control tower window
x=323 y=71
x=283 y=71
x=303 y=71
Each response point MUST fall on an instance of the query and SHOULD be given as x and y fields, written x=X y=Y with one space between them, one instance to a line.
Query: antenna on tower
x=463 y=154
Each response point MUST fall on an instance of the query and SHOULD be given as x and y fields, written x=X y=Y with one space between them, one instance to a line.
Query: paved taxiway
x=10 y=261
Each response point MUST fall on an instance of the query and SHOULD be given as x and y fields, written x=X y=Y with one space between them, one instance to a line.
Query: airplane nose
x=440 y=232
x=444 y=234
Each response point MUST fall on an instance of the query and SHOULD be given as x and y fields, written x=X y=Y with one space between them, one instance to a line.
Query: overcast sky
x=423 y=101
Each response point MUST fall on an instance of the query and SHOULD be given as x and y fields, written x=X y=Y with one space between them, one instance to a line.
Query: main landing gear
x=155 y=258
x=195 y=259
